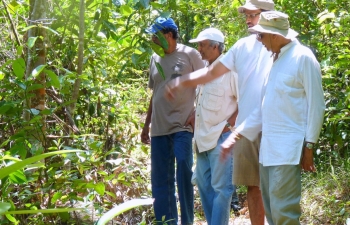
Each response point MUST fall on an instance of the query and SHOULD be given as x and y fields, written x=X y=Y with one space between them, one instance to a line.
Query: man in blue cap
x=170 y=138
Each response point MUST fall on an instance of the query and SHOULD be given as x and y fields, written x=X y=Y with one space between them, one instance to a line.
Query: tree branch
x=12 y=24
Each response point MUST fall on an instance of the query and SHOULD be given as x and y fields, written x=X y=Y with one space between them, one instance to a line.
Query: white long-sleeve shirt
x=292 y=108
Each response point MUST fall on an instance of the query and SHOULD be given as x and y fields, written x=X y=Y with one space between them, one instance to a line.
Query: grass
x=326 y=197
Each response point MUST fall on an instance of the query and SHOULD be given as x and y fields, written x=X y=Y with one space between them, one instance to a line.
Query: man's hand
x=145 y=135
x=171 y=88
x=226 y=147
x=307 y=161
x=191 y=120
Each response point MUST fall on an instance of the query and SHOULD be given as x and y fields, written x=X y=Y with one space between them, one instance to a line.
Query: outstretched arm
x=201 y=76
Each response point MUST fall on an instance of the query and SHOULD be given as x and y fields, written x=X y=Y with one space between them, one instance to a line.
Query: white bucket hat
x=257 y=4
x=209 y=34
x=274 y=22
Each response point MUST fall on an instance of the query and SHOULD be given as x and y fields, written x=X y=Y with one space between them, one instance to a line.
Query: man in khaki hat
x=252 y=62
x=291 y=116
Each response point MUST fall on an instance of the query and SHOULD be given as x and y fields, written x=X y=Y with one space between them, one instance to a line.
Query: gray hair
x=221 y=46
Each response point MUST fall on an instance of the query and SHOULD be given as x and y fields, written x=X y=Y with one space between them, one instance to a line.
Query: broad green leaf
x=125 y=10
x=165 y=14
x=9 y=157
x=97 y=14
x=162 y=40
x=19 y=50
x=4 y=108
x=35 y=166
x=49 y=29
x=29 y=27
x=46 y=112
x=197 y=18
x=55 y=197
x=12 y=219
x=323 y=16
x=4 y=206
x=157 y=49
x=160 y=70
x=134 y=59
x=35 y=87
x=111 y=194
x=13 y=4
x=121 y=176
x=2 y=75
x=18 y=67
x=21 y=85
x=55 y=82
x=19 y=165
x=17 y=177
x=58 y=210
x=31 y=41
x=100 y=188
x=122 y=208
x=34 y=112
x=37 y=71
x=109 y=25
x=156 y=5
x=145 y=3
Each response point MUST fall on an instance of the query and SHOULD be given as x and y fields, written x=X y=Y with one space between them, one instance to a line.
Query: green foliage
x=326 y=198
x=122 y=208
x=113 y=99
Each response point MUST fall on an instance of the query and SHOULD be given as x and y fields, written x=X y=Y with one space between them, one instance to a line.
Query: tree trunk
x=36 y=56
x=76 y=87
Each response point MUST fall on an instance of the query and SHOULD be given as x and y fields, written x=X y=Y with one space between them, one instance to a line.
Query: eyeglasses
x=251 y=16
x=259 y=36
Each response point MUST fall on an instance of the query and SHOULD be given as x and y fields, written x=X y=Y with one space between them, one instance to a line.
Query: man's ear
x=169 y=34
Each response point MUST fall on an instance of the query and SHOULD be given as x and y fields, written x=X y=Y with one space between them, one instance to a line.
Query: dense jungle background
x=73 y=76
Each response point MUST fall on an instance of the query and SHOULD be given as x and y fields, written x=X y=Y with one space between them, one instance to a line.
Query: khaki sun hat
x=257 y=4
x=274 y=22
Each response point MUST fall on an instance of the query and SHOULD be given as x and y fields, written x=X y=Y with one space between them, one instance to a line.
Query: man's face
x=252 y=17
x=157 y=36
x=205 y=49
x=265 y=39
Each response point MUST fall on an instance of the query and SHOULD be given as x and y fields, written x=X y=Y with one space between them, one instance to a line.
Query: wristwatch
x=228 y=125
x=309 y=145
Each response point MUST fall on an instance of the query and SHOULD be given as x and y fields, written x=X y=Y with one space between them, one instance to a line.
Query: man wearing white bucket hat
x=291 y=117
x=216 y=111
x=252 y=62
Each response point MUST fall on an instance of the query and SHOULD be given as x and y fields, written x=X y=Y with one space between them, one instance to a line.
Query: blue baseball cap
x=161 y=23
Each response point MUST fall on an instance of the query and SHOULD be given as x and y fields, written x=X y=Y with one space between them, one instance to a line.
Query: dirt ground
x=238 y=218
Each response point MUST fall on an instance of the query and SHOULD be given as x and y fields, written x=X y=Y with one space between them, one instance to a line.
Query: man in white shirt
x=215 y=114
x=252 y=62
x=291 y=116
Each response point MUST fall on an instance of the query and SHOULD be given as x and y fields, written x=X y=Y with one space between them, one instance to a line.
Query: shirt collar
x=288 y=46
x=216 y=60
